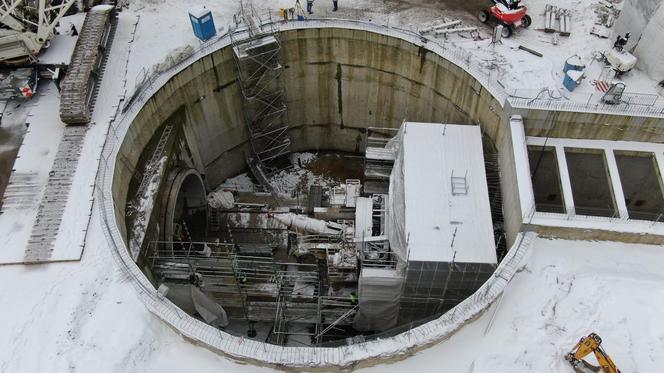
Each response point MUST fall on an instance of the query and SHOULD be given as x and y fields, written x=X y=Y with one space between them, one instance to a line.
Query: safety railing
x=632 y=103
x=545 y=99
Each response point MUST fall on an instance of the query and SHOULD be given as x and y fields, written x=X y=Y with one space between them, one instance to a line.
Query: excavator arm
x=586 y=346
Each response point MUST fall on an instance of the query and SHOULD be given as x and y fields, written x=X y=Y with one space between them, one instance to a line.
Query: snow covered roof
x=446 y=218
x=60 y=51
x=199 y=11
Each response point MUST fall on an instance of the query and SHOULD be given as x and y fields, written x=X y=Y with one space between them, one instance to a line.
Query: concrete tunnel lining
x=156 y=103
x=185 y=190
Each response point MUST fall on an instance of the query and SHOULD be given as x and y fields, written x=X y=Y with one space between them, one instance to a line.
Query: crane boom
x=28 y=26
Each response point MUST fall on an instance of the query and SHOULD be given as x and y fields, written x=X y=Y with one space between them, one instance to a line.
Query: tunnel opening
x=187 y=213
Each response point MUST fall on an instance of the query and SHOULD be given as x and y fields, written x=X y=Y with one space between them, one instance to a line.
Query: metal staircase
x=152 y=165
x=257 y=49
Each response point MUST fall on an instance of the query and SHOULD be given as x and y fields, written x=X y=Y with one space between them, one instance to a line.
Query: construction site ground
x=84 y=315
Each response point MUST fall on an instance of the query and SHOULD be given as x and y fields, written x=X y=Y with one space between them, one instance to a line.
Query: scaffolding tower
x=257 y=48
x=297 y=303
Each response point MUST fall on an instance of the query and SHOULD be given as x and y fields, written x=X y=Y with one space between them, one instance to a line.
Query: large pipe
x=440 y=26
x=308 y=224
x=455 y=30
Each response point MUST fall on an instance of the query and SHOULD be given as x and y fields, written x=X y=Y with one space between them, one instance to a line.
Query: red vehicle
x=509 y=13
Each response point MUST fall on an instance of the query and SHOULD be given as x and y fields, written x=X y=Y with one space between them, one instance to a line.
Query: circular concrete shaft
x=338 y=81
x=341 y=77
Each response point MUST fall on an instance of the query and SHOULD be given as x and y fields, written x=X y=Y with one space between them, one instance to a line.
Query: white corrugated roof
x=437 y=222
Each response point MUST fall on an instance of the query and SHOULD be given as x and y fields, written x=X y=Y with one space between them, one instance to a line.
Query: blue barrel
x=572 y=79
x=573 y=63
x=202 y=23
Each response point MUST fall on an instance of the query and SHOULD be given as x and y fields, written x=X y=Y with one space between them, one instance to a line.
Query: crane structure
x=587 y=345
x=28 y=26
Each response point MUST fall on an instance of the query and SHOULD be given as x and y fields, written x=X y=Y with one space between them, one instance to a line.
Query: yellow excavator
x=591 y=344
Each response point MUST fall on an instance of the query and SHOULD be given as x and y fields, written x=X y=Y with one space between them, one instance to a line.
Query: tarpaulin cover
x=379 y=294
x=396 y=210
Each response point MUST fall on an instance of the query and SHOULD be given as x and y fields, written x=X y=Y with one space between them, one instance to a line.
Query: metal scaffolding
x=257 y=50
x=153 y=164
x=235 y=281
x=255 y=289
x=297 y=301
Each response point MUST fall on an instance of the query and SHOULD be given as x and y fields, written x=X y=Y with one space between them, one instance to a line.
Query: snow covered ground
x=288 y=182
x=520 y=72
x=527 y=73
x=567 y=290
x=32 y=165
x=86 y=316
x=82 y=317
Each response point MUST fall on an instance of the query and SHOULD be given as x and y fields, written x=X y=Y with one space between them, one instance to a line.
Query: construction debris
x=555 y=39
x=565 y=19
x=557 y=20
x=605 y=79
x=447 y=31
x=607 y=13
x=600 y=31
x=440 y=26
x=447 y=28
x=536 y=53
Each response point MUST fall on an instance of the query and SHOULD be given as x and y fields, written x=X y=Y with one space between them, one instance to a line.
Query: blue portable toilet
x=202 y=22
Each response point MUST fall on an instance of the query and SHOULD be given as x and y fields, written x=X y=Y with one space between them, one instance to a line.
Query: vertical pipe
x=565 y=182
x=616 y=185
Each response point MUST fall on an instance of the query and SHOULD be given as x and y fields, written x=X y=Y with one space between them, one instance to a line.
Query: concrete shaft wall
x=338 y=82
